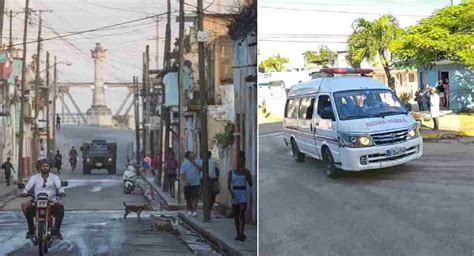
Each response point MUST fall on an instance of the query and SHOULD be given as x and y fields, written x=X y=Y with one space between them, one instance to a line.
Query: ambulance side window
x=323 y=102
x=306 y=108
x=291 y=110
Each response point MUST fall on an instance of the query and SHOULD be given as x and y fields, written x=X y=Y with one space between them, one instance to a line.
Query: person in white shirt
x=44 y=182
x=434 y=110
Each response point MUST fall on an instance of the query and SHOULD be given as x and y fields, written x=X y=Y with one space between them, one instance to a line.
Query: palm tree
x=371 y=40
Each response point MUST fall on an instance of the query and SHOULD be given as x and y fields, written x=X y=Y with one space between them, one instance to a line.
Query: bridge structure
x=99 y=113
x=72 y=114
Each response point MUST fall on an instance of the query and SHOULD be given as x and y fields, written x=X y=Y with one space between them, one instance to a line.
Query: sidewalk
x=450 y=125
x=7 y=191
x=221 y=231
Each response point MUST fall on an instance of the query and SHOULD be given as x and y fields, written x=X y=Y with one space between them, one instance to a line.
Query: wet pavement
x=93 y=222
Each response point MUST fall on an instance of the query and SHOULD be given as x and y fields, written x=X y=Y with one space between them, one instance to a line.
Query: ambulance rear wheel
x=297 y=155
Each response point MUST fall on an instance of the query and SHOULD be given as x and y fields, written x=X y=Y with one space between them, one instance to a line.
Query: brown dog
x=136 y=208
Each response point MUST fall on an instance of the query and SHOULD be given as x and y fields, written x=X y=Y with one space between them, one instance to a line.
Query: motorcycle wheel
x=41 y=239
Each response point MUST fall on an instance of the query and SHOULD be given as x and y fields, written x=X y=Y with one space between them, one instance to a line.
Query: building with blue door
x=460 y=80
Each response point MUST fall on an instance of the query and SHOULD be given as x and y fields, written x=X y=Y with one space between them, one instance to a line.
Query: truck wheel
x=297 y=155
x=329 y=167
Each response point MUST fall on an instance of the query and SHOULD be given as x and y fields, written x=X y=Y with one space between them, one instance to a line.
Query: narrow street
x=93 y=223
x=421 y=208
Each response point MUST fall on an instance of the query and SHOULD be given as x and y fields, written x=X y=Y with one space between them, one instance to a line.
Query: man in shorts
x=190 y=172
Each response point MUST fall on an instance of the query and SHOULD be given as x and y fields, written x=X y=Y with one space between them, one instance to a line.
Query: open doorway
x=443 y=88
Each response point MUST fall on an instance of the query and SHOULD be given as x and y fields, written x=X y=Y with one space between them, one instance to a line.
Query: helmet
x=43 y=161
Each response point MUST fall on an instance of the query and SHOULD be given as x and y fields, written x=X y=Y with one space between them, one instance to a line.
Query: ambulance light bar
x=332 y=71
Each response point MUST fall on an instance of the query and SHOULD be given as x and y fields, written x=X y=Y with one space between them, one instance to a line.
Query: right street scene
x=366 y=127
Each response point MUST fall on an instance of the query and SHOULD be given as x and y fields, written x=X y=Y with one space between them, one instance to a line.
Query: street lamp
x=67 y=63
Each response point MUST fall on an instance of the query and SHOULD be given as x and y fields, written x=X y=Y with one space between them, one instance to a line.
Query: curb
x=164 y=199
x=220 y=243
x=441 y=135
x=7 y=194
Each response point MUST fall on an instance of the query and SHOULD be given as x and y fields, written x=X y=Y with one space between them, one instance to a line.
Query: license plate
x=99 y=164
x=395 y=151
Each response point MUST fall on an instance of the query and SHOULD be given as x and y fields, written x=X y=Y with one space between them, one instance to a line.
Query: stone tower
x=99 y=113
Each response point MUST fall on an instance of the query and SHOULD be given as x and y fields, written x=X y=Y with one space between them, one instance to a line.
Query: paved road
x=425 y=207
x=94 y=223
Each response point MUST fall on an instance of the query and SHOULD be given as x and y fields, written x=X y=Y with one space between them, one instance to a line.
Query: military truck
x=99 y=154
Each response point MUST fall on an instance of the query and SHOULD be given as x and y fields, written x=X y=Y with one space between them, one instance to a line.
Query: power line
x=300 y=41
x=119 y=9
x=97 y=29
x=333 y=11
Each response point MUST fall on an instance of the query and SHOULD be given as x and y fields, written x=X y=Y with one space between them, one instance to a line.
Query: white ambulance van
x=351 y=122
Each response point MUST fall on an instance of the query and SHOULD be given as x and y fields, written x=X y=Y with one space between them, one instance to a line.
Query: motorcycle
x=73 y=162
x=129 y=179
x=44 y=221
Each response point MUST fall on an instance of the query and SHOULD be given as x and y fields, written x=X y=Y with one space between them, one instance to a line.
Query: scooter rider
x=44 y=182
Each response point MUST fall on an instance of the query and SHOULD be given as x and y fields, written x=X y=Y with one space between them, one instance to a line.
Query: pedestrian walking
x=434 y=110
x=190 y=173
x=171 y=167
x=58 y=161
x=58 y=122
x=237 y=181
x=213 y=181
x=7 y=168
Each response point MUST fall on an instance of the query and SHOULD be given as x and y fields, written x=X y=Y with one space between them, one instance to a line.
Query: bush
x=226 y=137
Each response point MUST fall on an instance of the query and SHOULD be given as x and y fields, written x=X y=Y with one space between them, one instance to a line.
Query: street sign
x=202 y=37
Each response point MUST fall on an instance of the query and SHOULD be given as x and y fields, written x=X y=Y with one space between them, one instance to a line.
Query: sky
x=290 y=28
x=124 y=44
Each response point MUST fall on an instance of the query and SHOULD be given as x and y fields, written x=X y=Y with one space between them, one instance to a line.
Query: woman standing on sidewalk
x=171 y=166
x=237 y=184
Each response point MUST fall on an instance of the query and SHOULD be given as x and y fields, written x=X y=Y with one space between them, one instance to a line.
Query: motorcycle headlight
x=42 y=204
x=414 y=132
x=110 y=159
x=355 y=140
x=88 y=160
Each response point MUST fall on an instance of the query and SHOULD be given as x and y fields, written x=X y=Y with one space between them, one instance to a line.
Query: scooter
x=129 y=179
x=44 y=220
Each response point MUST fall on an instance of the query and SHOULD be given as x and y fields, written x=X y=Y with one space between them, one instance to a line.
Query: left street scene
x=125 y=128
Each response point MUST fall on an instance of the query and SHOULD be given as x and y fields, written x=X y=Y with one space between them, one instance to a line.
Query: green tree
x=324 y=56
x=447 y=34
x=371 y=40
x=276 y=63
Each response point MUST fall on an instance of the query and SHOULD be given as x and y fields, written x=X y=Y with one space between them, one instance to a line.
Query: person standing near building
x=171 y=167
x=190 y=172
x=146 y=164
x=434 y=110
x=237 y=181
x=7 y=167
x=213 y=181
x=419 y=100
x=446 y=92
x=58 y=161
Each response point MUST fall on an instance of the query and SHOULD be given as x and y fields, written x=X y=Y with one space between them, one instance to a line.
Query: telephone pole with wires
x=22 y=98
x=2 y=13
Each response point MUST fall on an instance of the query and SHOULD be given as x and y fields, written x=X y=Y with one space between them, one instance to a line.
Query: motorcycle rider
x=44 y=182
x=73 y=156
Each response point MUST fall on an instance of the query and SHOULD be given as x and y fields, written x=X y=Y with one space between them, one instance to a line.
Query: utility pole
x=48 y=114
x=53 y=148
x=37 y=94
x=2 y=13
x=167 y=57
x=181 y=88
x=144 y=106
x=157 y=43
x=22 y=100
x=148 y=142
x=137 y=116
x=10 y=43
x=203 y=112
